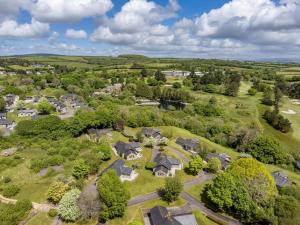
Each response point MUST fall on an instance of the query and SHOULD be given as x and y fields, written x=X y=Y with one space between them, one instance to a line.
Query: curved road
x=190 y=199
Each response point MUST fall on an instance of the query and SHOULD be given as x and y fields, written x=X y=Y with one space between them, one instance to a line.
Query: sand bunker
x=290 y=112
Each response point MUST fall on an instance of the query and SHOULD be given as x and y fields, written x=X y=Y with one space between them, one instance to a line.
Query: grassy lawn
x=202 y=219
x=40 y=219
x=135 y=212
x=196 y=190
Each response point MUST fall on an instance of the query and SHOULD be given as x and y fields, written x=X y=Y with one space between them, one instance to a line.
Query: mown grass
x=41 y=218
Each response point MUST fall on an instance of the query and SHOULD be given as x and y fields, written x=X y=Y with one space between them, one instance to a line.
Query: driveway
x=195 y=204
x=198 y=180
x=178 y=153
x=143 y=198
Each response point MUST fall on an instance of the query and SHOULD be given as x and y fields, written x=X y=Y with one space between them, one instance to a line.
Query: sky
x=236 y=29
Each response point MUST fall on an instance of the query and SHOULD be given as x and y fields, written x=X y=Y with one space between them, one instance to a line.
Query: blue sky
x=238 y=29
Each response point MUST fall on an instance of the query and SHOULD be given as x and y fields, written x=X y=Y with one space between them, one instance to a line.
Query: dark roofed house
x=26 y=112
x=129 y=151
x=159 y=215
x=281 y=179
x=188 y=144
x=4 y=123
x=151 y=132
x=165 y=165
x=3 y=115
x=298 y=164
x=224 y=158
x=125 y=173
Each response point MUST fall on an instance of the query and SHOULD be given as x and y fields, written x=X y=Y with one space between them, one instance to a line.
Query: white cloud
x=76 y=34
x=10 y=28
x=68 y=10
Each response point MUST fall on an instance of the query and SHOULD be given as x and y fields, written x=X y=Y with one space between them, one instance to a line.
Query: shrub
x=52 y=213
x=277 y=121
x=252 y=91
x=195 y=165
x=7 y=180
x=56 y=191
x=10 y=191
x=214 y=165
x=67 y=208
x=80 y=169
x=150 y=165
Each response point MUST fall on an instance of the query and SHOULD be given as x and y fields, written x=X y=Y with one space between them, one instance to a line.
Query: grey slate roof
x=187 y=143
x=2 y=115
x=125 y=149
x=5 y=122
x=298 y=164
x=164 y=163
x=119 y=167
x=281 y=179
x=159 y=215
x=224 y=158
x=151 y=132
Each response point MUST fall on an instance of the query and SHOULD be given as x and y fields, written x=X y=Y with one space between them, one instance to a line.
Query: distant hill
x=129 y=56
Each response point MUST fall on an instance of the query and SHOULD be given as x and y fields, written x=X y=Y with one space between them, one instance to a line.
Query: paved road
x=200 y=179
x=143 y=198
x=199 y=205
x=179 y=153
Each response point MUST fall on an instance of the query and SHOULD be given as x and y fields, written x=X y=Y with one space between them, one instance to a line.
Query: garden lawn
x=41 y=218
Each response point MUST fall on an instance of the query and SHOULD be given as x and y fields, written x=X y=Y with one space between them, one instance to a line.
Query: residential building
x=188 y=144
x=151 y=132
x=11 y=102
x=224 y=158
x=129 y=151
x=26 y=112
x=179 y=73
x=166 y=166
x=3 y=115
x=123 y=172
x=281 y=179
x=4 y=123
x=59 y=106
x=160 y=215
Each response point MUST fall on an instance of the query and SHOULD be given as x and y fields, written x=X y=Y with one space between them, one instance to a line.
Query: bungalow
x=4 y=123
x=11 y=102
x=160 y=215
x=188 y=144
x=123 y=172
x=224 y=158
x=166 y=166
x=26 y=112
x=28 y=99
x=3 y=115
x=129 y=151
x=281 y=179
x=151 y=132
x=59 y=106
x=69 y=97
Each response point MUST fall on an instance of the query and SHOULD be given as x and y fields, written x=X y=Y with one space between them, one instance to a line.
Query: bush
x=176 y=85
x=56 y=191
x=6 y=180
x=10 y=191
x=67 y=208
x=214 y=165
x=150 y=165
x=252 y=91
x=80 y=169
x=277 y=121
x=52 y=213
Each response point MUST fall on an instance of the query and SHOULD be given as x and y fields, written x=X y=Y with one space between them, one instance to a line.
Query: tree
x=172 y=189
x=80 y=169
x=67 y=208
x=89 y=202
x=176 y=85
x=56 y=191
x=113 y=195
x=277 y=98
x=214 y=165
x=268 y=96
x=268 y=150
x=44 y=107
x=195 y=165
x=2 y=104
x=252 y=91
x=144 y=73
x=160 y=76
x=287 y=210
x=258 y=180
x=228 y=193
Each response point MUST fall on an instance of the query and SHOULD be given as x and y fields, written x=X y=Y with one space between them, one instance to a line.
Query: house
x=281 y=179
x=160 y=215
x=95 y=134
x=28 y=99
x=26 y=112
x=3 y=115
x=59 y=106
x=151 y=132
x=11 y=102
x=188 y=144
x=224 y=158
x=298 y=164
x=165 y=166
x=112 y=90
x=123 y=172
x=129 y=151
x=69 y=97
x=4 y=123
